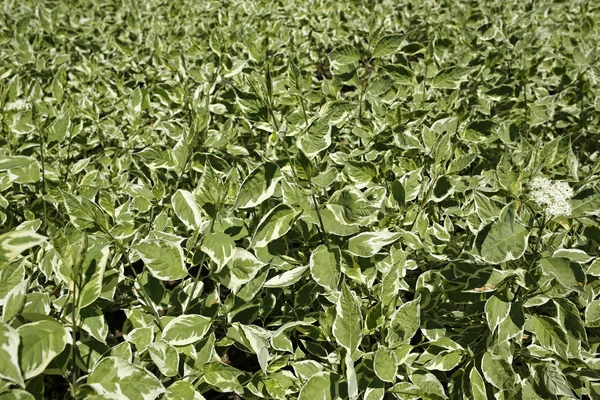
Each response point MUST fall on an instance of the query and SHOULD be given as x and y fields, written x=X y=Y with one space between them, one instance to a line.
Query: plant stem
x=74 y=371
x=197 y=278
x=44 y=188
x=136 y=276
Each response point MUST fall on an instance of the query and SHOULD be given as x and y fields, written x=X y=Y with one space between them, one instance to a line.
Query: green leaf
x=320 y=386
x=344 y=55
x=241 y=269
x=163 y=259
x=258 y=186
x=388 y=45
x=592 y=314
x=21 y=169
x=257 y=339
x=585 y=203
x=9 y=346
x=41 y=342
x=186 y=329
x=568 y=274
x=477 y=385
x=219 y=247
x=14 y=301
x=512 y=326
x=350 y=207
x=351 y=376
x=348 y=325
x=115 y=376
x=60 y=128
x=450 y=78
x=165 y=357
x=93 y=268
x=93 y=322
x=428 y=384
x=550 y=335
x=182 y=390
x=404 y=323
x=575 y=255
x=555 y=381
x=497 y=309
x=16 y=242
x=141 y=337
x=16 y=394
x=325 y=266
x=316 y=139
x=225 y=378
x=497 y=372
x=287 y=278
x=539 y=114
x=503 y=240
x=385 y=364
x=84 y=214
x=274 y=225
x=210 y=189
x=368 y=244
x=187 y=210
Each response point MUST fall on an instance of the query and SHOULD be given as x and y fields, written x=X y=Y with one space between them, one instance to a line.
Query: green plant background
x=298 y=199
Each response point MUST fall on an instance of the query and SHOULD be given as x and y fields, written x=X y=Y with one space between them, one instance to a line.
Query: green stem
x=74 y=371
x=304 y=110
x=44 y=187
x=197 y=277
x=321 y=229
x=145 y=295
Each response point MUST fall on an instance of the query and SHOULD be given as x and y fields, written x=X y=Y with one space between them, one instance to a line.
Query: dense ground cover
x=312 y=200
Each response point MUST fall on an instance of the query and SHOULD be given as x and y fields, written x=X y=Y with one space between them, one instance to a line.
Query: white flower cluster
x=554 y=195
x=17 y=105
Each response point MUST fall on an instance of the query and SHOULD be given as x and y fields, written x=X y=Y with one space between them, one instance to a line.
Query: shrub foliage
x=299 y=199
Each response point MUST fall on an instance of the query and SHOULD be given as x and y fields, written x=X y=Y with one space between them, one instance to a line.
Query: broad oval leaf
x=478 y=391
x=497 y=309
x=503 y=240
x=16 y=242
x=241 y=269
x=316 y=139
x=16 y=394
x=9 y=354
x=287 y=278
x=320 y=386
x=219 y=247
x=385 y=364
x=497 y=372
x=113 y=375
x=367 y=244
x=163 y=259
x=348 y=325
x=404 y=323
x=592 y=314
x=567 y=273
x=21 y=169
x=274 y=225
x=182 y=390
x=165 y=357
x=325 y=266
x=186 y=329
x=344 y=55
x=258 y=186
x=388 y=45
x=186 y=209
x=93 y=268
x=41 y=342
x=225 y=378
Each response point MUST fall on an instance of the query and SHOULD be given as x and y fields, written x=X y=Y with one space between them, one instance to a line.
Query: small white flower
x=17 y=105
x=553 y=195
